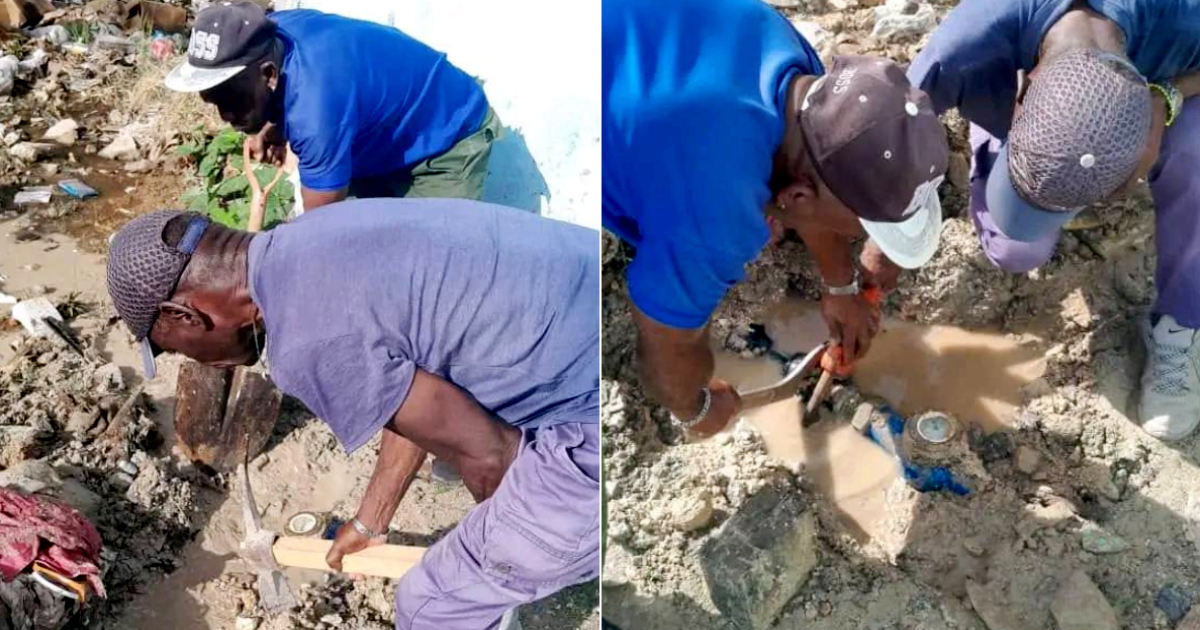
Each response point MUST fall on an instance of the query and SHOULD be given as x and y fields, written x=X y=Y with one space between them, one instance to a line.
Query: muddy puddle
x=975 y=376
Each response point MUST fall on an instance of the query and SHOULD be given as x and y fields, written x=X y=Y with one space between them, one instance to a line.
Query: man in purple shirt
x=1103 y=104
x=456 y=328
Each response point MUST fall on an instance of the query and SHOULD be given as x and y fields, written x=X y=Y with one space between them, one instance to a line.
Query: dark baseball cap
x=1083 y=126
x=878 y=145
x=226 y=38
x=143 y=271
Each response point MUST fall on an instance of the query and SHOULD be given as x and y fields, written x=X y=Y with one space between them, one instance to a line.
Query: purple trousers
x=539 y=533
x=1175 y=185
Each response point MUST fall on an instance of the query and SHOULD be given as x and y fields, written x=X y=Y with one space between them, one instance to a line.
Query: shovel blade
x=223 y=417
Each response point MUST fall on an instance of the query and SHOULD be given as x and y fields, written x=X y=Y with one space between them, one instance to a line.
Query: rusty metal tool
x=789 y=386
x=257 y=549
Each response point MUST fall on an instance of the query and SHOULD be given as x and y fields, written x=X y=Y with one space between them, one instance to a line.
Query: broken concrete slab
x=64 y=132
x=1080 y=605
x=761 y=557
x=123 y=147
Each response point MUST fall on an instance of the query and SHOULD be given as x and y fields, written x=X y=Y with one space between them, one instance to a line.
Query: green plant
x=223 y=192
x=80 y=32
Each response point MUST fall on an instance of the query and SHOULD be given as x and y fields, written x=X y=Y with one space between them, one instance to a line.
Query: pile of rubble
x=72 y=430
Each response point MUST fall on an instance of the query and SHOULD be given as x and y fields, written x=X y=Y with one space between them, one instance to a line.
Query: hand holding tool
x=833 y=363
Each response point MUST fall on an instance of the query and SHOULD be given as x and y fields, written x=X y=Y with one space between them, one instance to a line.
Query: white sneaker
x=510 y=621
x=1170 y=403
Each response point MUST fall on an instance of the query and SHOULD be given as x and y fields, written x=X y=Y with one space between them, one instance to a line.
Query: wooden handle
x=390 y=561
x=258 y=194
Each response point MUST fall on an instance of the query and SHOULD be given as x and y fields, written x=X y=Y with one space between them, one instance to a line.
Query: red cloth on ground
x=36 y=528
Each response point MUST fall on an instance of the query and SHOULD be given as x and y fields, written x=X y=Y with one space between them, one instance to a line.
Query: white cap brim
x=188 y=78
x=910 y=243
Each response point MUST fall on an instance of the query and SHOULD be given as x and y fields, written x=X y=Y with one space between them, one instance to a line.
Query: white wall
x=540 y=63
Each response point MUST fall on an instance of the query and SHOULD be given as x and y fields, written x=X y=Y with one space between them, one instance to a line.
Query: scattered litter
x=77 y=189
x=31 y=314
x=7 y=299
x=33 y=194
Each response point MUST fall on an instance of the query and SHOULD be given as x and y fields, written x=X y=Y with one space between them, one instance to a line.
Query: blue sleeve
x=971 y=61
x=322 y=136
x=699 y=186
x=354 y=385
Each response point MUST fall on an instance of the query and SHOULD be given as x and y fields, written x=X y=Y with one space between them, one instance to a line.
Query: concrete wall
x=540 y=64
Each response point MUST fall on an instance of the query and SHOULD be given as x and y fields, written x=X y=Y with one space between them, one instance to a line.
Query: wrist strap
x=1172 y=97
x=687 y=424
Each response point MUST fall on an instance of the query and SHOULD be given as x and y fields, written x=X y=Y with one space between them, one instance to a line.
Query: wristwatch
x=687 y=424
x=854 y=288
x=1173 y=98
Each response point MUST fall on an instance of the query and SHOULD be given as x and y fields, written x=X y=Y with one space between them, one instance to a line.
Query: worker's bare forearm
x=675 y=364
x=833 y=252
x=314 y=199
x=397 y=466
x=449 y=423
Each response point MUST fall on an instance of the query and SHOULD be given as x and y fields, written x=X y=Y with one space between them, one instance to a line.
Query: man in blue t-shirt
x=718 y=119
x=452 y=327
x=1072 y=102
x=368 y=110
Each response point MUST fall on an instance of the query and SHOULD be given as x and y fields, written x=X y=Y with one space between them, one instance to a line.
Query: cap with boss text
x=226 y=38
x=878 y=145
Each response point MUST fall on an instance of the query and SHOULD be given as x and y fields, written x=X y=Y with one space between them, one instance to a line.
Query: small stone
x=80 y=421
x=1098 y=541
x=123 y=147
x=31 y=151
x=974 y=546
x=140 y=166
x=996 y=615
x=121 y=479
x=108 y=379
x=1028 y=459
x=900 y=21
x=64 y=132
x=331 y=620
x=689 y=513
x=1080 y=605
x=1173 y=602
x=246 y=623
x=127 y=466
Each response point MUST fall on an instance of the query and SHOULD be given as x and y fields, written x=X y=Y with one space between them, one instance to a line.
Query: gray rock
x=1099 y=541
x=64 y=132
x=996 y=614
x=691 y=512
x=1080 y=605
x=32 y=151
x=81 y=420
x=123 y=147
x=1173 y=602
x=1028 y=460
x=761 y=557
x=127 y=466
x=108 y=379
x=56 y=34
x=900 y=21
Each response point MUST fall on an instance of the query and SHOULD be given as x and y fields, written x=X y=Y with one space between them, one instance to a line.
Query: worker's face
x=207 y=335
x=244 y=101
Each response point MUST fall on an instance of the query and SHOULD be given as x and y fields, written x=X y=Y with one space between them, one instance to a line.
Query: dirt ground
x=1070 y=484
x=92 y=432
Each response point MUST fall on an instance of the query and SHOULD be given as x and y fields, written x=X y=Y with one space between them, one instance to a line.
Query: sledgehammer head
x=274 y=594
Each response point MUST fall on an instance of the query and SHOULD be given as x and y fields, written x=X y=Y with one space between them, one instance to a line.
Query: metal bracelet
x=362 y=529
x=687 y=424
x=854 y=288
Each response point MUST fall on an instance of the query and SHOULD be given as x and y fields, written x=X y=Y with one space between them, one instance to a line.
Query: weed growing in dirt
x=224 y=192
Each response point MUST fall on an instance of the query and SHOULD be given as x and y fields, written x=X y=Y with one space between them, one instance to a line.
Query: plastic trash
x=77 y=189
x=34 y=194
x=31 y=313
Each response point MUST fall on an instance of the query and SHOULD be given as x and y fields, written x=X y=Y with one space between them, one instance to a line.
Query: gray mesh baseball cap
x=1079 y=137
x=143 y=271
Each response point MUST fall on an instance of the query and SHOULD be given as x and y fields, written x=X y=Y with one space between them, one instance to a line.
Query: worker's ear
x=270 y=74
x=797 y=200
x=180 y=316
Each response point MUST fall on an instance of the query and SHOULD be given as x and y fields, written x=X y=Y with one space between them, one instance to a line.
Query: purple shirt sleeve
x=355 y=385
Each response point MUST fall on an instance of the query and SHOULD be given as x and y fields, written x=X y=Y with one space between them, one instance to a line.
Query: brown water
x=974 y=376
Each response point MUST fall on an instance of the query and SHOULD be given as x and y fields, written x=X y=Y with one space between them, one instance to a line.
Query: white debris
x=30 y=313
x=122 y=148
x=64 y=132
x=903 y=20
